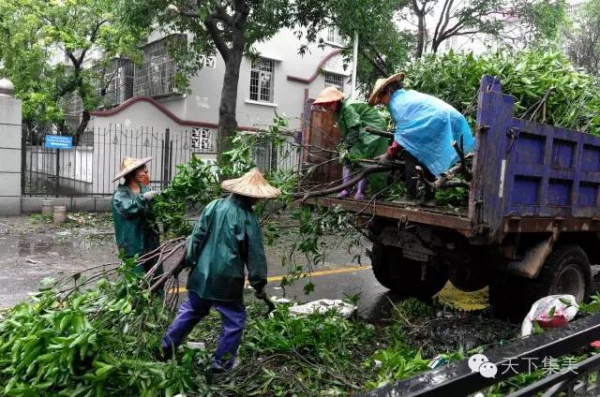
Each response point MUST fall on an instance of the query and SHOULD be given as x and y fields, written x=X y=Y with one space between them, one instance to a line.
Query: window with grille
x=156 y=75
x=333 y=36
x=334 y=80
x=202 y=140
x=261 y=80
x=117 y=81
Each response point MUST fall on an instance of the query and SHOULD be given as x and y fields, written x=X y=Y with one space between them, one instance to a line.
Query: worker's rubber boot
x=360 y=190
x=345 y=178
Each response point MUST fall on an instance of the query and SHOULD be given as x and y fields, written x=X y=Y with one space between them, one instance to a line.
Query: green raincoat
x=226 y=237
x=134 y=231
x=354 y=116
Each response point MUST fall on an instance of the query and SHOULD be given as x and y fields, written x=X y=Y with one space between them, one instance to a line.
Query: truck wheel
x=404 y=276
x=566 y=271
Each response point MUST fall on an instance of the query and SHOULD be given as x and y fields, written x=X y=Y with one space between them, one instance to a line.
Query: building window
x=156 y=75
x=334 y=80
x=261 y=80
x=333 y=36
x=116 y=85
x=202 y=140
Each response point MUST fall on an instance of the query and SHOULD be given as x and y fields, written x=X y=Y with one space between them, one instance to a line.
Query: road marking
x=319 y=273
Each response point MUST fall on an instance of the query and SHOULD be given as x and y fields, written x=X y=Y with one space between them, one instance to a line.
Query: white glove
x=150 y=195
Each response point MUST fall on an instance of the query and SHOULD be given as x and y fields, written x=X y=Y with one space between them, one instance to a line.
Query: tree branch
x=217 y=37
x=361 y=175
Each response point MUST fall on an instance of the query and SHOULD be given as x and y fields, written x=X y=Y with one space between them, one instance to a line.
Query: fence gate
x=89 y=167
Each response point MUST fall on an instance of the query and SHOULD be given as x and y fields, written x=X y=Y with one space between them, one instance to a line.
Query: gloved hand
x=260 y=293
x=150 y=195
x=384 y=159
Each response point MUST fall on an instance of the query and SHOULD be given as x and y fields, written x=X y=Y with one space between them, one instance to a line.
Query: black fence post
x=166 y=158
x=57 y=182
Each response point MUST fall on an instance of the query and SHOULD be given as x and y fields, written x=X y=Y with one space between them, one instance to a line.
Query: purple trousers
x=194 y=309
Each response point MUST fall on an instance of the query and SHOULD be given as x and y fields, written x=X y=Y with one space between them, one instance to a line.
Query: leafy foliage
x=38 y=35
x=527 y=75
x=94 y=342
x=583 y=37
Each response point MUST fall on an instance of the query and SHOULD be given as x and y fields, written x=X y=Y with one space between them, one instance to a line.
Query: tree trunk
x=233 y=60
x=85 y=119
x=227 y=108
x=422 y=34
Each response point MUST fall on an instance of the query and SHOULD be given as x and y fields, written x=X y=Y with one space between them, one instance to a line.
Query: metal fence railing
x=88 y=168
x=552 y=354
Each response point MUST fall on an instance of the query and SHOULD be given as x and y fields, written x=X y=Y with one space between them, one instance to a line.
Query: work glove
x=150 y=195
x=384 y=159
x=260 y=293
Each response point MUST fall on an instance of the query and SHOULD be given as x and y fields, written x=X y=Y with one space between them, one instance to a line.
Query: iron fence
x=551 y=352
x=88 y=168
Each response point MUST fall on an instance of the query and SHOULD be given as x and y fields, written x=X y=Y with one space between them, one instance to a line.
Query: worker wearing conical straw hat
x=135 y=232
x=352 y=119
x=426 y=127
x=226 y=239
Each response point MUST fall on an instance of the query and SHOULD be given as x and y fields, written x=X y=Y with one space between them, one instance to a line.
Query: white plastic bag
x=322 y=306
x=550 y=311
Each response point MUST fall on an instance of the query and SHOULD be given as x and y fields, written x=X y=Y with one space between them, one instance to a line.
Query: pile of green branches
x=99 y=341
x=526 y=75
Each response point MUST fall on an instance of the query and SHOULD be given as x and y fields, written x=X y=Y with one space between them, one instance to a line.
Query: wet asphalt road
x=30 y=251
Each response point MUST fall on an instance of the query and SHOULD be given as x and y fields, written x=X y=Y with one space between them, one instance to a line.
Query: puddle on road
x=31 y=245
x=65 y=245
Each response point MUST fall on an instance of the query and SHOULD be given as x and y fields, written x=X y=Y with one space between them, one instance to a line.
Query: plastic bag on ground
x=549 y=312
x=323 y=306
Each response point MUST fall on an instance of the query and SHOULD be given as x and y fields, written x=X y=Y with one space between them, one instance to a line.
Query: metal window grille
x=333 y=35
x=334 y=80
x=117 y=81
x=261 y=80
x=156 y=75
x=202 y=140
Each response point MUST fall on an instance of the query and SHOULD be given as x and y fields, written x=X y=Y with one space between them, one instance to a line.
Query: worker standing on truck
x=226 y=238
x=352 y=118
x=425 y=129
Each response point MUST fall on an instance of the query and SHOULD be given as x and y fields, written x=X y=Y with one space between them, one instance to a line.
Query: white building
x=279 y=81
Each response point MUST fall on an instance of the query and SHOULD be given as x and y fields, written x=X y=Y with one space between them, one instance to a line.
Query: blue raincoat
x=426 y=127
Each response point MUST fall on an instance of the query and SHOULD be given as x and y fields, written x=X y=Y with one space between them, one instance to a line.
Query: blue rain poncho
x=426 y=127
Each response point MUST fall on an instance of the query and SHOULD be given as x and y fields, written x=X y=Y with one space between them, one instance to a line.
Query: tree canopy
x=48 y=49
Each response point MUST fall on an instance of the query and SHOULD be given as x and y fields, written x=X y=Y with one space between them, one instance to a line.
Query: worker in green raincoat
x=134 y=229
x=352 y=119
x=226 y=240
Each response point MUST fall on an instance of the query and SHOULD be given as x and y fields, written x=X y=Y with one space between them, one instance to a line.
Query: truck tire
x=566 y=271
x=403 y=276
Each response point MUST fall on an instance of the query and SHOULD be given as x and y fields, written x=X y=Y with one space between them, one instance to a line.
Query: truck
x=531 y=229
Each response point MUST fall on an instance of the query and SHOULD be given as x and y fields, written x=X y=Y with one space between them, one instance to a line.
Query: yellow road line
x=319 y=273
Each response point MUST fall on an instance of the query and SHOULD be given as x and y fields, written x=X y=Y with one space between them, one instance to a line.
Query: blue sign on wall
x=58 y=142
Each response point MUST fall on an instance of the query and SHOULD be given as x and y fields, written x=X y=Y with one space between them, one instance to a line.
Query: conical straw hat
x=251 y=184
x=380 y=84
x=129 y=164
x=328 y=95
